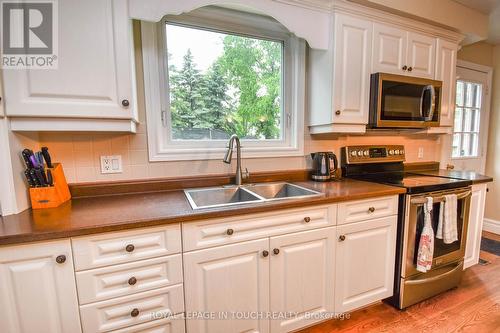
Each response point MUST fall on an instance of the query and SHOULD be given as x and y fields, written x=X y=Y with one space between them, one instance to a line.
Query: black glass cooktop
x=414 y=183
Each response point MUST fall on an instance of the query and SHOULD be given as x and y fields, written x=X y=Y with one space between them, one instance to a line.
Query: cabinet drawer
x=118 y=313
x=121 y=247
x=104 y=283
x=203 y=234
x=175 y=324
x=360 y=210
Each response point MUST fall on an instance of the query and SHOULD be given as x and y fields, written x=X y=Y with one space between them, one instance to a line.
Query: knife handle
x=46 y=156
x=50 y=180
x=31 y=182
x=40 y=176
x=26 y=153
x=34 y=177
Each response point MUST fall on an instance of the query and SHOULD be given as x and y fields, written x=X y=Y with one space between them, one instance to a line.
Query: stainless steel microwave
x=398 y=101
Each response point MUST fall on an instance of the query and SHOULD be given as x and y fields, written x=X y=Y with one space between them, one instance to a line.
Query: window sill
x=192 y=154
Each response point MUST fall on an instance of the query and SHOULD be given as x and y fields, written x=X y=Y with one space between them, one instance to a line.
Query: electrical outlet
x=420 y=152
x=111 y=164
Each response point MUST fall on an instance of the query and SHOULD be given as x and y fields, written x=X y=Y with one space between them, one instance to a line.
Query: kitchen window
x=467 y=119
x=215 y=72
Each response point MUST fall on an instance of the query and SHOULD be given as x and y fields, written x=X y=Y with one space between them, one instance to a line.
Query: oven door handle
x=422 y=200
x=437 y=277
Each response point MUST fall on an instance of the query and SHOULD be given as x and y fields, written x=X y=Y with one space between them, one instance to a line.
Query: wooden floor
x=472 y=307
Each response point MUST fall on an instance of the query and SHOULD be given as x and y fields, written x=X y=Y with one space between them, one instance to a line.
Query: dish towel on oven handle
x=447 y=226
x=426 y=243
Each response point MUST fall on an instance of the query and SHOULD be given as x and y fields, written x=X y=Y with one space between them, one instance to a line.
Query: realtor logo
x=29 y=34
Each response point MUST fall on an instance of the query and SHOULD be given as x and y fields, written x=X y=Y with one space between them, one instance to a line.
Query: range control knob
x=396 y=152
x=353 y=153
x=401 y=152
x=360 y=153
x=366 y=153
x=391 y=152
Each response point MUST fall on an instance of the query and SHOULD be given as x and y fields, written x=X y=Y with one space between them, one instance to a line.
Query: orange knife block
x=53 y=196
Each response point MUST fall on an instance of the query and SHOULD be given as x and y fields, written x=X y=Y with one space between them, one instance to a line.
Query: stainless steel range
x=384 y=164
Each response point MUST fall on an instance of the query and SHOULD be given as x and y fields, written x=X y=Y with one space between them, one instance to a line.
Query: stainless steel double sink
x=253 y=193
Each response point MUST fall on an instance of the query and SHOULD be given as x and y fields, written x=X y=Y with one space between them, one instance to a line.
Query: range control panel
x=373 y=154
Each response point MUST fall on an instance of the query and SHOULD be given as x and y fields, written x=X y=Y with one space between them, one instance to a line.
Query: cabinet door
x=421 y=55
x=95 y=67
x=228 y=282
x=475 y=228
x=446 y=67
x=302 y=278
x=389 y=49
x=352 y=58
x=37 y=294
x=365 y=259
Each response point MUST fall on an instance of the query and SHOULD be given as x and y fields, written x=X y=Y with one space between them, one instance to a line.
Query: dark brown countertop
x=84 y=216
x=475 y=177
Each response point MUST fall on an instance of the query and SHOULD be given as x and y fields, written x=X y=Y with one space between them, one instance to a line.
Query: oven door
x=414 y=223
x=403 y=101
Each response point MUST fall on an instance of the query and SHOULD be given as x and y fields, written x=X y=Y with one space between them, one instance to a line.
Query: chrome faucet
x=229 y=155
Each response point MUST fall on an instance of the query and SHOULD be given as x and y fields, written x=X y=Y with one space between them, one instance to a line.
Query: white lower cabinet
x=288 y=280
x=230 y=280
x=475 y=228
x=302 y=284
x=37 y=289
x=365 y=259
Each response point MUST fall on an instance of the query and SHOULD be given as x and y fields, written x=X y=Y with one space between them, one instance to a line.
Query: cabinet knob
x=404 y=67
x=229 y=232
x=265 y=253
x=337 y=112
x=371 y=209
x=276 y=251
x=130 y=248
x=132 y=281
x=410 y=69
x=134 y=312
x=307 y=219
x=125 y=103
x=342 y=238
x=61 y=259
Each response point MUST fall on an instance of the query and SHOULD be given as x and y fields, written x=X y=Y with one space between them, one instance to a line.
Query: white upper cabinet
x=389 y=49
x=339 y=79
x=421 y=55
x=353 y=47
x=37 y=289
x=95 y=78
x=398 y=51
x=446 y=66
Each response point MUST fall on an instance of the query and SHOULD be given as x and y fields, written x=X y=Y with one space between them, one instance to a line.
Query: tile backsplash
x=80 y=155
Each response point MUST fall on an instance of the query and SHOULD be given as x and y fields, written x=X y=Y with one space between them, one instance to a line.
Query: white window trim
x=160 y=149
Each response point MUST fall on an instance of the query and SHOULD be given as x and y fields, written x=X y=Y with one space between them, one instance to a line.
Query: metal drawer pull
x=130 y=248
x=61 y=259
x=404 y=67
x=307 y=219
x=229 y=232
x=134 y=312
x=371 y=209
x=276 y=251
x=342 y=238
x=265 y=253
x=132 y=281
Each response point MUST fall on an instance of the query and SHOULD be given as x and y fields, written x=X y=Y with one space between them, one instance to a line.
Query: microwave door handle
x=432 y=104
